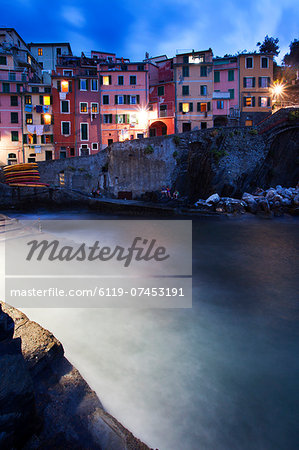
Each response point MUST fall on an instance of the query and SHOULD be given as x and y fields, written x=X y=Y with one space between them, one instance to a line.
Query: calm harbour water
x=222 y=375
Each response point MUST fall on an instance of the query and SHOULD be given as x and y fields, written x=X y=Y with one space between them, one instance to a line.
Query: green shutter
x=253 y=81
x=116 y=118
x=209 y=106
x=260 y=101
x=244 y=82
x=116 y=99
x=191 y=107
x=79 y=84
x=41 y=100
x=138 y=99
x=101 y=79
x=51 y=99
x=268 y=101
x=110 y=79
x=180 y=107
x=216 y=76
x=244 y=101
x=128 y=118
x=70 y=86
x=34 y=139
x=198 y=107
x=58 y=85
x=253 y=101
x=42 y=139
x=87 y=84
x=42 y=119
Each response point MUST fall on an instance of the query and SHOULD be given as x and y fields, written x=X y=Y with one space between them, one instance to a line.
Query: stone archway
x=158 y=128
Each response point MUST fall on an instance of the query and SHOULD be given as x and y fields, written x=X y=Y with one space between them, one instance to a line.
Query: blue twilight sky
x=132 y=27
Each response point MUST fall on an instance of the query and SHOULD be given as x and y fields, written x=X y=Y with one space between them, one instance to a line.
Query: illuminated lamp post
x=277 y=92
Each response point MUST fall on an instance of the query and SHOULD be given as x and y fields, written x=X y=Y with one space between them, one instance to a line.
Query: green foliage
x=292 y=58
x=294 y=115
x=176 y=140
x=175 y=154
x=270 y=45
x=237 y=132
x=148 y=150
x=218 y=154
x=253 y=131
x=214 y=132
x=71 y=168
x=231 y=134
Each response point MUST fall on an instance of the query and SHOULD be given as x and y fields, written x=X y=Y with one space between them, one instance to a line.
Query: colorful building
x=193 y=78
x=226 y=91
x=255 y=79
x=124 y=97
x=161 y=97
x=17 y=68
x=75 y=86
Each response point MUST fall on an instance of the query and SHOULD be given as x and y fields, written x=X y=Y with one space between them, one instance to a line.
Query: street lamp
x=277 y=91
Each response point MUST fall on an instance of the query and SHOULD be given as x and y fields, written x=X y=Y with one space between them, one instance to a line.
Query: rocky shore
x=44 y=401
x=274 y=201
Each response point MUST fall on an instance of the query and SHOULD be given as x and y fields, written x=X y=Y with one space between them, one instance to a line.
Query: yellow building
x=193 y=77
x=255 y=79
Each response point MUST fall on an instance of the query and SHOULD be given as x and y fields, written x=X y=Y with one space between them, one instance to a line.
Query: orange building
x=256 y=77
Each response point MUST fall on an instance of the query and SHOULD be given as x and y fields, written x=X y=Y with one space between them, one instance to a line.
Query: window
x=133 y=99
x=186 y=126
x=264 y=102
x=264 y=82
x=65 y=106
x=66 y=128
x=160 y=90
x=5 y=87
x=46 y=138
x=106 y=80
x=14 y=117
x=110 y=141
x=232 y=93
x=203 y=107
x=248 y=123
x=83 y=85
x=185 y=59
x=29 y=59
x=19 y=88
x=120 y=80
x=35 y=90
x=94 y=146
x=47 y=90
x=40 y=52
x=133 y=79
x=231 y=75
x=220 y=104
x=196 y=59
x=264 y=62
x=185 y=107
x=119 y=100
x=216 y=76
x=185 y=90
x=94 y=108
x=105 y=99
x=249 y=62
x=163 y=110
x=58 y=51
x=48 y=155
x=203 y=90
x=84 y=150
x=185 y=71
x=121 y=118
x=83 y=108
x=68 y=73
x=72 y=151
x=248 y=102
x=13 y=100
x=3 y=61
x=12 y=76
x=203 y=125
x=107 y=118
x=84 y=131
x=63 y=86
x=28 y=100
x=94 y=84
x=140 y=67
x=14 y=136
x=203 y=71
x=249 y=82
x=45 y=100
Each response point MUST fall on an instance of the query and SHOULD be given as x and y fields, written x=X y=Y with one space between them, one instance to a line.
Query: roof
x=194 y=51
x=12 y=29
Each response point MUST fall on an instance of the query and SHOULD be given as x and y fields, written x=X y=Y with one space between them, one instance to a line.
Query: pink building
x=226 y=91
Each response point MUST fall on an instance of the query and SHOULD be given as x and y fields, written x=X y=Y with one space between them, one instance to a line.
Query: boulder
x=213 y=199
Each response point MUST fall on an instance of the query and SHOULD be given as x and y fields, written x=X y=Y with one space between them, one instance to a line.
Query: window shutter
x=110 y=79
x=41 y=100
x=52 y=119
x=244 y=82
x=180 y=107
x=70 y=86
x=128 y=118
x=260 y=81
x=268 y=101
x=51 y=99
x=269 y=81
x=260 y=101
x=34 y=139
x=138 y=99
x=191 y=107
x=42 y=119
x=253 y=101
x=87 y=84
x=116 y=118
x=101 y=79
x=42 y=139
x=198 y=107
x=79 y=84
x=253 y=81
x=58 y=85
x=244 y=101
x=116 y=100
x=209 y=106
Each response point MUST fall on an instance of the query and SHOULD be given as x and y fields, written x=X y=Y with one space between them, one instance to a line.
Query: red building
x=162 y=97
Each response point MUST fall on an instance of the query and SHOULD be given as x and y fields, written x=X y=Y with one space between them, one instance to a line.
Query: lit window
x=94 y=108
x=29 y=118
x=203 y=107
x=47 y=100
x=196 y=59
x=47 y=119
x=220 y=104
x=28 y=59
x=106 y=81
x=185 y=107
x=65 y=86
x=40 y=52
x=83 y=108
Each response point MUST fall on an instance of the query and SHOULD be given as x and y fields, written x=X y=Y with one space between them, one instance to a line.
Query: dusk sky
x=130 y=28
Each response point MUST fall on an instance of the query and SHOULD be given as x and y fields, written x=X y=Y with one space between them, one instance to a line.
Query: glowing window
x=64 y=86
x=248 y=101
x=47 y=100
x=264 y=102
x=94 y=108
x=185 y=107
x=40 y=52
x=106 y=81
x=203 y=107
x=83 y=107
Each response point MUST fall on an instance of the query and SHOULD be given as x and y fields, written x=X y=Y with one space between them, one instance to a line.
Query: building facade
x=226 y=92
x=46 y=54
x=255 y=79
x=193 y=78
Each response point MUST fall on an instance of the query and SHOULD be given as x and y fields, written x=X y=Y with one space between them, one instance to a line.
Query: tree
x=270 y=45
x=292 y=58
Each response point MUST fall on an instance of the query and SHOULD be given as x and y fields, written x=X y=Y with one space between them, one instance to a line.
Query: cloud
x=73 y=16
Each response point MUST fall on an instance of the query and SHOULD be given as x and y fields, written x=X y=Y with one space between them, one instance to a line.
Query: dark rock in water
x=213 y=199
x=263 y=205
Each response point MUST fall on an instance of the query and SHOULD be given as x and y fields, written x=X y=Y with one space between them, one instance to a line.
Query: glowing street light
x=142 y=115
x=277 y=91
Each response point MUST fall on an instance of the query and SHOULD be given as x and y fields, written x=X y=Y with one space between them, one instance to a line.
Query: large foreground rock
x=69 y=415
